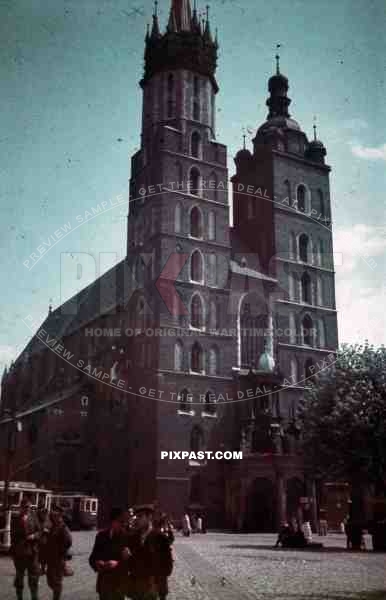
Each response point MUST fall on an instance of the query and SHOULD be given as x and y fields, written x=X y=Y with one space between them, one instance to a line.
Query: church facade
x=206 y=336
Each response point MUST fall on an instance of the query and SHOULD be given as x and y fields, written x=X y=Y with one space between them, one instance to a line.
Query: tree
x=343 y=419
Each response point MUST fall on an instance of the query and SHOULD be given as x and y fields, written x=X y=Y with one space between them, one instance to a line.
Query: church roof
x=111 y=289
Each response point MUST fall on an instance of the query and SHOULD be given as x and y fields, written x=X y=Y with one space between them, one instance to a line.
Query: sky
x=70 y=120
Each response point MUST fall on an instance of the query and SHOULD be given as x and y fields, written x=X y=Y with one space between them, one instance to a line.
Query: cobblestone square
x=241 y=567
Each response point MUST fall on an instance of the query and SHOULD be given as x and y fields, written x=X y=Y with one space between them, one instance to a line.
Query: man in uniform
x=110 y=558
x=150 y=558
x=58 y=542
x=25 y=534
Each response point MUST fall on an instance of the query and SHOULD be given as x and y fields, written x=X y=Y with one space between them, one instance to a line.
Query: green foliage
x=343 y=417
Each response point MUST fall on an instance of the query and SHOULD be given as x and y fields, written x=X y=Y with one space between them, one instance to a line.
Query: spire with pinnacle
x=278 y=102
x=155 y=32
x=207 y=33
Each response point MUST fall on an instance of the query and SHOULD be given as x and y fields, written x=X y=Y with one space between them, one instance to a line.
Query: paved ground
x=220 y=566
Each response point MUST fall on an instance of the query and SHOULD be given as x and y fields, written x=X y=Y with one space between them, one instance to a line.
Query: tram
x=80 y=510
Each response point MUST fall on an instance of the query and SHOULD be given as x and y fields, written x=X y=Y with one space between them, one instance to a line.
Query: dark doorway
x=295 y=490
x=260 y=514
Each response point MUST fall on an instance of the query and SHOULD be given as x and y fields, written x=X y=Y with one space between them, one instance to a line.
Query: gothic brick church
x=206 y=335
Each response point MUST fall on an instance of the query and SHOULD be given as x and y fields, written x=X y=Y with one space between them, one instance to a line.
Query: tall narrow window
x=196 y=145
x=322 y=334
x=196 y=99
x=213 y=361
x=170 y=101
x=178 y=356
x=309 y=369
x=212 y=225
x=301 y=198
x=210 y=402
x=196 y=222
x=287 y=193
x=322 y=207
x=197 y=312
x=196 y=439
x=197 y=358
x=212 y=315
x=304 y=243
x=212 y=270
x=307 y=331
x=184 y=399
x=178 y=218
x=306 y=288
x=195 y=182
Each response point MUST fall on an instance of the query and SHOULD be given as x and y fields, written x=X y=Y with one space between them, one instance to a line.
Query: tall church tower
x=295 y=225
x=178 y=244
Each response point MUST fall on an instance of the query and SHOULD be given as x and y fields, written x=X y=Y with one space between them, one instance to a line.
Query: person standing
x=110 y=558
x=149 y=550
x=57 y=544
x=25 y=535
x=165 y=559
x=186 y=526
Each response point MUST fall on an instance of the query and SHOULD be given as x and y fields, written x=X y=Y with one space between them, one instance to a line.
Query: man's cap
x=116 y=513
x=147 y=509
x=25 y=502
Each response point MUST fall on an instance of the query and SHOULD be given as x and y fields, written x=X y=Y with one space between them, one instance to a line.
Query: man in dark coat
x=151 y=560
x=25 y=534
x=110 y=558
x=58 y=542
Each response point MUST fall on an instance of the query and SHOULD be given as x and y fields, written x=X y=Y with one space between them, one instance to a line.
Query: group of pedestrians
x=132 y=557
x=40 y=543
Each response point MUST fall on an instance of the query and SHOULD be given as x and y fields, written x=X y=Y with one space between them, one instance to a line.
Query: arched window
x=301 y=198
x=195 y=147
x=178 y=218
x=196 y=99
x=213 y=361
x=196 y=439
x=304 y=243
x=170 y=101
x=210 y=402
x=197 y=312
x=197 y=358
x=195 y=182
x=306 y=288
x=196 y=267
x=178 y=356
x=212 y=225
x=184 y=399
x=307 y=331
x=196 y=222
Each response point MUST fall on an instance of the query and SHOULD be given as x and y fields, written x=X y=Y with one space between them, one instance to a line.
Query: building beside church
x=206 y=335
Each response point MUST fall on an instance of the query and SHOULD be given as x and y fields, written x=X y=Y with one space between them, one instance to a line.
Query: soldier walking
x=57 y=544
x=110 y=558
x=25 y=535
x=151 y=560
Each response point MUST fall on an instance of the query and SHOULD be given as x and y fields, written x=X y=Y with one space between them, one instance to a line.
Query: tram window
x=31 y=496
x=94 y=506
